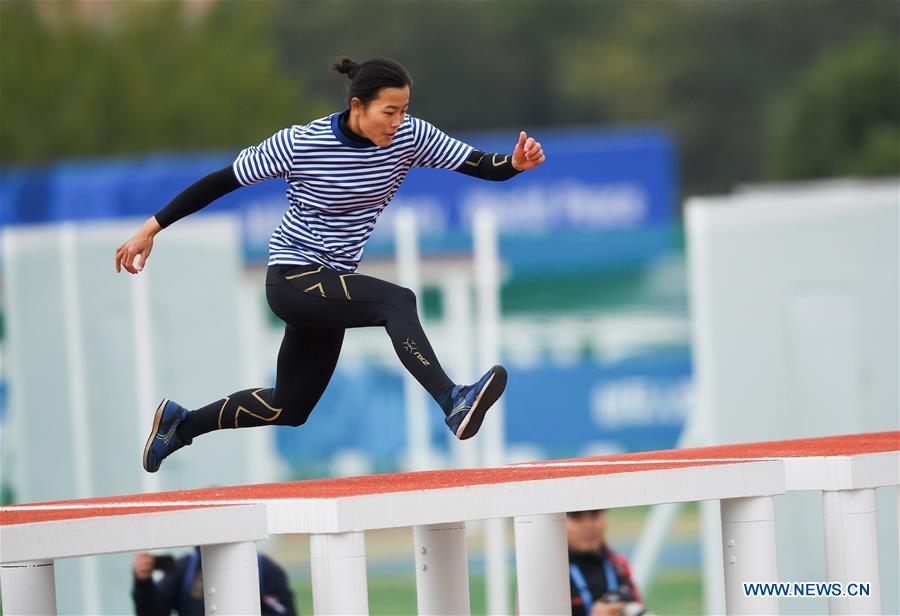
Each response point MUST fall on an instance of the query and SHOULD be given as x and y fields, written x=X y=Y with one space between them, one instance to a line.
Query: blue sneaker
x=163 y=440
x=471 y=402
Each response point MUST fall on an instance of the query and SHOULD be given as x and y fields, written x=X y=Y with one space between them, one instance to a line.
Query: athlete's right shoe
x=471 y=402
x=163 y=441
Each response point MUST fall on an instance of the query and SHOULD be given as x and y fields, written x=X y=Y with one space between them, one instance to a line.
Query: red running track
x=855 y=444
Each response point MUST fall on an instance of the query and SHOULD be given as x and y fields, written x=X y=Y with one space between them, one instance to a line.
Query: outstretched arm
x=271 y=159
x=195 y=197
x=488 y=166
x=198 y=195
x=527 y=154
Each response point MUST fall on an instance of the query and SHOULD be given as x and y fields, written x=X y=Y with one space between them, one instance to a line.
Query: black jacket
x=592 y=567
x=173 y=593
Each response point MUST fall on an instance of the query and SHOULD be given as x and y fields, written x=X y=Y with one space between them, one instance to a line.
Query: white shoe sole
x=490 y=393
x=153 y=431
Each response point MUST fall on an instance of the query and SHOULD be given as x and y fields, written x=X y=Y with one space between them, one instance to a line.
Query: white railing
x=437 y=504
x=226 y=536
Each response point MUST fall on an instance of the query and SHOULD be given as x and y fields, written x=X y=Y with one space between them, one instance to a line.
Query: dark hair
x=577 y=515
x=371 y=76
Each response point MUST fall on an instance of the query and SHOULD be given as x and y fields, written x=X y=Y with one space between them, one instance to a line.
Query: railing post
x=542 y=564
x=851 y=549
x=230 y=578
x=748 y=548
x=442 y=570
x=339 y=573
x=28 y=588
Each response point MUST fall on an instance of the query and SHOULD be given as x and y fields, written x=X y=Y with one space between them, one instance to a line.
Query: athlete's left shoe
x=471 y=402
x=163 y=441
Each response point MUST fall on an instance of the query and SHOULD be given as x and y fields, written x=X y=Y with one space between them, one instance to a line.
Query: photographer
x=181 y=586
x=599 y=579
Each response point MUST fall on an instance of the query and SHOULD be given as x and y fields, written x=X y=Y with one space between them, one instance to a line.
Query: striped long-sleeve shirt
x=337 y=186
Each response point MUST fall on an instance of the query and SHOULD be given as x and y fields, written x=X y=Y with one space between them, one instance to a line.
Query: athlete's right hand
x=139 y=246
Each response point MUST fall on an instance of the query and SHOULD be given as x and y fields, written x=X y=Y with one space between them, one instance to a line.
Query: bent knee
x=294 y=418
x=293 y=412
x=405 y=298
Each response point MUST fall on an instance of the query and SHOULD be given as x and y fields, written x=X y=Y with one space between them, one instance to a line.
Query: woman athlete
x=342 y=171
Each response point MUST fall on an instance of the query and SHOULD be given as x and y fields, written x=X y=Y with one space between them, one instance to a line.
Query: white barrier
x=337 y=512
x=225 y=535
x=848 y=487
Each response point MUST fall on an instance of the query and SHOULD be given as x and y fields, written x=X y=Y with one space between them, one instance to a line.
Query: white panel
x=824 y=361
x=794 y=296
x=193 y=277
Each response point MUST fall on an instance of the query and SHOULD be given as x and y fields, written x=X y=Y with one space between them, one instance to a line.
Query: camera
x=625 y=595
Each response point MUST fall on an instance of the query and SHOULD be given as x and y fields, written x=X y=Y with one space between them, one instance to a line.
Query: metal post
x=711 y=557
x=406 y=237
x=442 y=570
x=339 y=573
x=144 y=370
x=492 y=437
x=78 y=397
x=748 y=548
x=661 y=517
x=230 y=578
x=28 y=588
x=542 y=564
x=457 y=296
x=851 y=550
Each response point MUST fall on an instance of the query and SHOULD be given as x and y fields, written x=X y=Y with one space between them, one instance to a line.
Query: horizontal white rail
x=438 y=503
x=226 y=535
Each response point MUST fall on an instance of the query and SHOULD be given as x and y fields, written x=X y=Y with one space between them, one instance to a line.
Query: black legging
x=317 y=304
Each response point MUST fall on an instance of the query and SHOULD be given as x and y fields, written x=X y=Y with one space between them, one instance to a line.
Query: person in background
x=181 y=586
x=599 y=578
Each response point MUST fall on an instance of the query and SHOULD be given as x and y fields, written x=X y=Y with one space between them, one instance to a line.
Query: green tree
x=842 y=117
x=157 y=77
x=706 y=71
x=153 y=79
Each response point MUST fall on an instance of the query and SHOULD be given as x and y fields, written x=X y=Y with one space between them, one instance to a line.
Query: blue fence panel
x=592 y=180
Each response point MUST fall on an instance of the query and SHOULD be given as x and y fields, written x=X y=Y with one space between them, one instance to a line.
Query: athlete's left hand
x=528 y=153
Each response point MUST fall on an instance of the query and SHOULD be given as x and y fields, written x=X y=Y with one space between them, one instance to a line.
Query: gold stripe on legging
x=304 y=273
x=227 y=398
x=276 y=412
x=344 y=284
x=316 y=286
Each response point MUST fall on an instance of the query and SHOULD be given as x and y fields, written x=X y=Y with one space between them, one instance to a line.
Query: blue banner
x=592 y=181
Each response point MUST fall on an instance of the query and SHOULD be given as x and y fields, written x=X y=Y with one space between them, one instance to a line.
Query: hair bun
x=346 y=66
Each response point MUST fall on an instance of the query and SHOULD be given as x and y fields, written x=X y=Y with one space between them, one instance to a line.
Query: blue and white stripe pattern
x=337 y=187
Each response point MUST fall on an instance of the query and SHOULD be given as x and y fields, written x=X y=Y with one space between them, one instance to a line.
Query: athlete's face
x=586 y=530
x=382 y=117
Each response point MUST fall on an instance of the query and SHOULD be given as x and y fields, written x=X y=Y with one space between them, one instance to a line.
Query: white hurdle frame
x=745 y=489
x=226 y=536
x=536 y=506
x=847 y=484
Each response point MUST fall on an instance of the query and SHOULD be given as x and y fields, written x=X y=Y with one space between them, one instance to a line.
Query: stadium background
x=108 y=109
